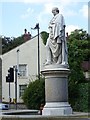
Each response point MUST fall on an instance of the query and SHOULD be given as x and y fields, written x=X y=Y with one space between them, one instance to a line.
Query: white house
x=26 y=56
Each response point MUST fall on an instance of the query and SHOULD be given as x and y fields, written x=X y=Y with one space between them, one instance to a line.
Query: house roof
x=20 y=44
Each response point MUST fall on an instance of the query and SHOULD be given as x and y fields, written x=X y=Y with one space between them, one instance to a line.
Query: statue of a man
x=56 y=47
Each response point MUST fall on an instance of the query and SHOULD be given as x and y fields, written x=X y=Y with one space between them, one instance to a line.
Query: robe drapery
x=56 y=40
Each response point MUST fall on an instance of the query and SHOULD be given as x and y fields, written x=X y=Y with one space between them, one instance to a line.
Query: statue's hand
x=58 y=40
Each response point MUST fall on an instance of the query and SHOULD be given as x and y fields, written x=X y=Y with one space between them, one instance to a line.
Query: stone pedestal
x=56 y=90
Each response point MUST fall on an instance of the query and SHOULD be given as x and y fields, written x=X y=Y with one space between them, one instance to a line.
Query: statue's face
x=54 y=12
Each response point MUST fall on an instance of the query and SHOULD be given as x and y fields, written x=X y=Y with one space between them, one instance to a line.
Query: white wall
x=28 y=55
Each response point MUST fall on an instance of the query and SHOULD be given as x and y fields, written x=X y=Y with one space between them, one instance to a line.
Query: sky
x=17 y=15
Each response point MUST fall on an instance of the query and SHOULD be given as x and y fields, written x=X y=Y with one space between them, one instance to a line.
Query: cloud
x=0 y=18
x=65 y=2
x=84 y=11
x=45 y=15
x=71 y=28
x=48 y=8
x=64 y=8
x=70 y=13
x=28 y=12
x=37 y=1
x=42 y=16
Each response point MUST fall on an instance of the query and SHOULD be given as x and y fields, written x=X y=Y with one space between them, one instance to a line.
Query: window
x=21 y=90
x=23 y=70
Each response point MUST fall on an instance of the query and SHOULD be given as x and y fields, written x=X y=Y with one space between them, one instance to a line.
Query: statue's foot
x=58 y=62
x=48 y=63
x=63 y=63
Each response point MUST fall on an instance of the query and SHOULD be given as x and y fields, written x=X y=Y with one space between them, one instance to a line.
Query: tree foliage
x=78 y=51
x=44 y=36
x=8 y=44
x=82 y=101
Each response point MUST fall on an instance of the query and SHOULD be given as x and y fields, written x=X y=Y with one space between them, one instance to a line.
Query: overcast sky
x=16 y=16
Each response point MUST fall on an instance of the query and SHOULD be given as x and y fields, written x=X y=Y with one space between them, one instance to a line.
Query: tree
x=78 y=51
x=9 y=44
x=44 y=36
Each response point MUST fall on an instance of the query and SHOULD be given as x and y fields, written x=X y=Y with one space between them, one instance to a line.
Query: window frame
x=21 y=90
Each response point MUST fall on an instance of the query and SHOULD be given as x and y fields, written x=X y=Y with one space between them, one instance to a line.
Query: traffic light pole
x=9 y=95
x=10 y=78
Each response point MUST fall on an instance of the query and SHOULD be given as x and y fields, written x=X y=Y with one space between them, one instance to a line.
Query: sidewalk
x=33 y=115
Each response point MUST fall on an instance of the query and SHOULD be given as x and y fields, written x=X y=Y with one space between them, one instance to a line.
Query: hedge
x=81 y=102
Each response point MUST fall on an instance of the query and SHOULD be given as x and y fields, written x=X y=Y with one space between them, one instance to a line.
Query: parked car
x=4 y=106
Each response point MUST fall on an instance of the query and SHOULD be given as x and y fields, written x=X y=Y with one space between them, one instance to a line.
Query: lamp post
x=16 y=76
x=18 y=61
x=16 y=87
x=37 y=27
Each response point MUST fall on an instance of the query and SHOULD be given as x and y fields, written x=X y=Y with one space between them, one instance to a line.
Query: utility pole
x=16 y=76
x=38 y=53
x=18 y=61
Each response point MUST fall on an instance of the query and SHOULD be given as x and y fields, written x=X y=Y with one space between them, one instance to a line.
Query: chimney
x=27 y=36
x=25 y=31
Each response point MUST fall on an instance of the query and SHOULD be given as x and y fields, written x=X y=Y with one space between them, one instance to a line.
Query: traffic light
x=10 y=77
x=7 y=78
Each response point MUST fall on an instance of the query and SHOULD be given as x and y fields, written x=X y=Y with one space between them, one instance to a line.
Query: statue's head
x=55 y=9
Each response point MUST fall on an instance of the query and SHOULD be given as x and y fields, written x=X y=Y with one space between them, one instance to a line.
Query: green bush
x=80 y=99
x=34 y=94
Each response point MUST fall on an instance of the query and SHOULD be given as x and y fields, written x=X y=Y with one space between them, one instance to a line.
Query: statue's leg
x=59 y=59
x=48 y=55
x=55 y=59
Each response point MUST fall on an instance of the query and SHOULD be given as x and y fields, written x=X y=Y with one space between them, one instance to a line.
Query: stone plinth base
x=56 y=90
x=57 y=108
